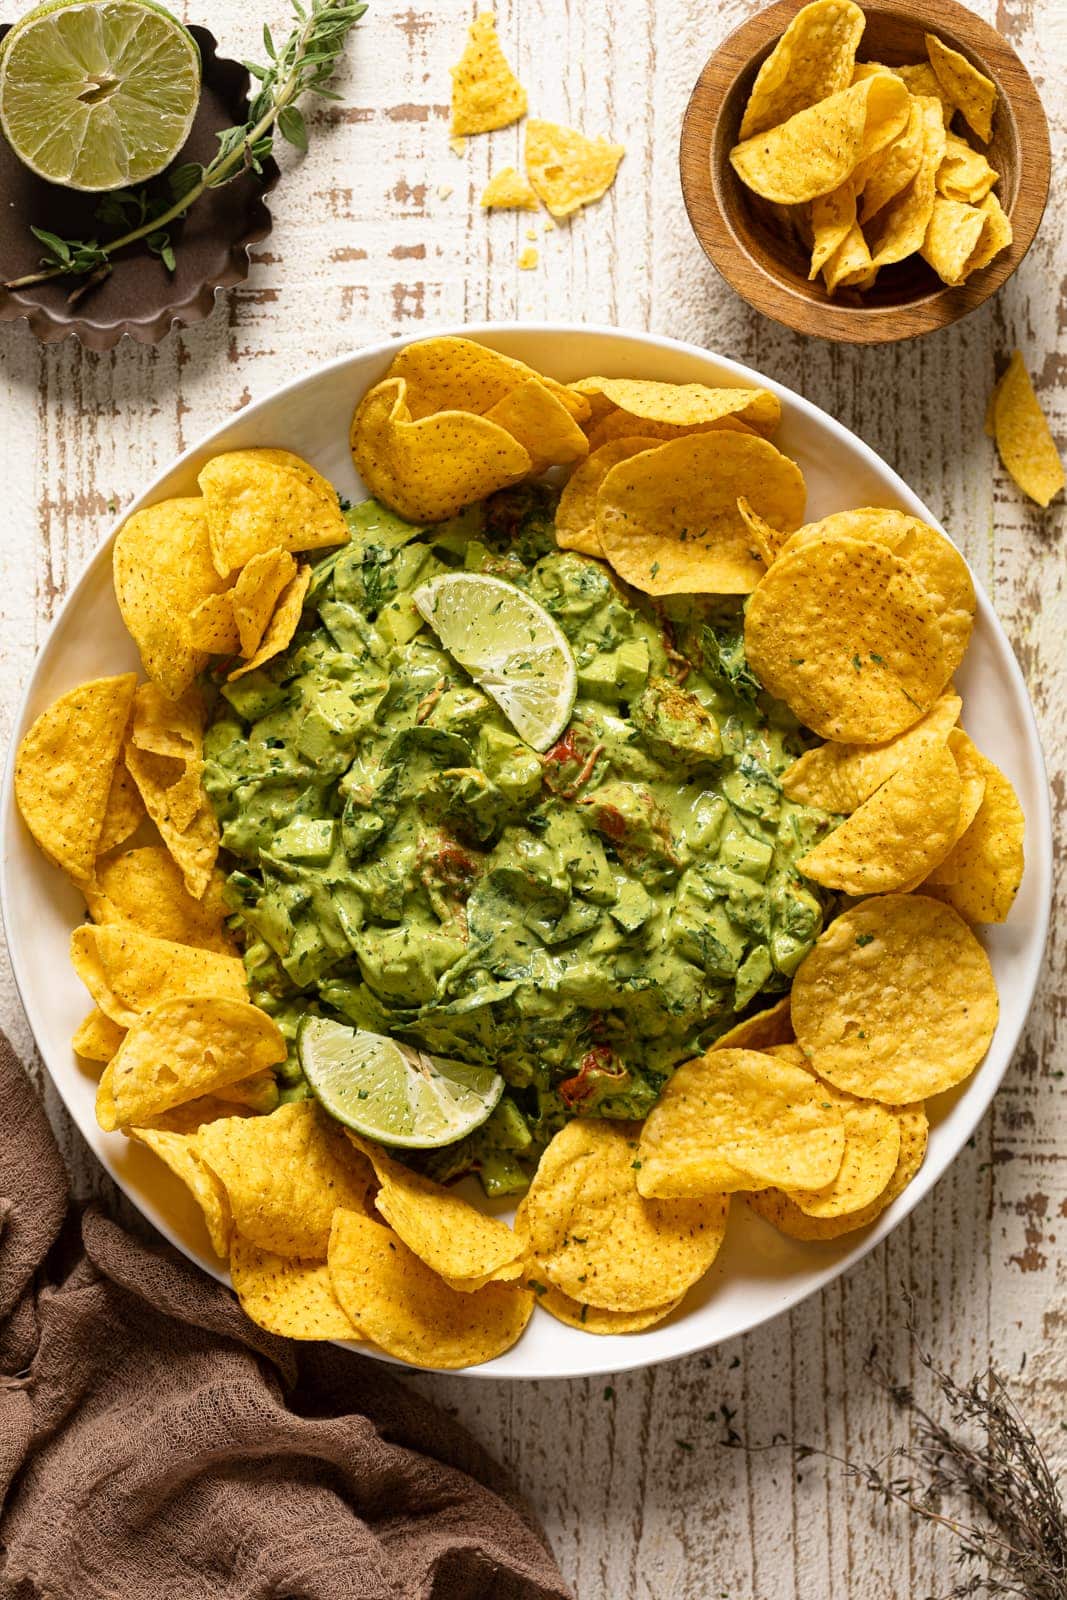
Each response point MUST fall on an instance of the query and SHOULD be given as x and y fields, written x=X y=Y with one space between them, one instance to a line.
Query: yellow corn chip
x=178 y=1152
x=969 y=90
x=164 y=754
x=681 y=405
x=127 y=971
x=283 y=624
x=194 y=848
x=576 y=512
x=507 y=190
x=981 y=876
x=163 y=569
x=964 y=173
x=485 y=92
x=872 y=1150
x=776 y=1207
x=595 y=1319
x=894 y=167
x=850 y=265
x=995 y=236
x=832 y=218
x=922 y=84
x=452 y=374
x=840 y=777
x=430 y=469
x=616 y=424
x=97 y=1037
x=952 y=238
x=460 y=1243
x=762 y=1031
x=405 y=1308
x=899 y=227
x=844 y=633
x=896 y=1001
x=258 y=500
x=897 y=836
x=180 y=1049
x=145 y=887
x=256 y=592
x=289 y=1297
x=212 y=626
x=739 y=1119
x=568 y=170
x=542 y=424
x=125 y=811
x=593 y=1235
x=818 y=148
x=1024 y=440
x=813 y=59
x=285 y=1175
x=668 y=522
x=528 y=259
x=65 y=767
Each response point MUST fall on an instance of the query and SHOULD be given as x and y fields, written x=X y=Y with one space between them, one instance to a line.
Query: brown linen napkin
x=154 y=1442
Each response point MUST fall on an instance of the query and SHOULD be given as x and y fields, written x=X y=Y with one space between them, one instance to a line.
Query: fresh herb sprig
x=302 y=65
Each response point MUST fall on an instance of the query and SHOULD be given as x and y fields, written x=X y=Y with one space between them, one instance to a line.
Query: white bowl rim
x=1039 y=839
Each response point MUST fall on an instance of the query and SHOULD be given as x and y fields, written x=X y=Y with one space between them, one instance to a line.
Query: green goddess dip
x=581 y=921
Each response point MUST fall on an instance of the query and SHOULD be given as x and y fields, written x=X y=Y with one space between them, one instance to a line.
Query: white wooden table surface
x=638 y=1496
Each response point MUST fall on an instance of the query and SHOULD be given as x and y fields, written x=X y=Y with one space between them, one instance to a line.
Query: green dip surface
x=581 y=921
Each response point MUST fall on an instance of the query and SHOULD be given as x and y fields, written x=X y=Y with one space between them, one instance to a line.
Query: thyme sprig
x=1011 y=1528
x=303 y=64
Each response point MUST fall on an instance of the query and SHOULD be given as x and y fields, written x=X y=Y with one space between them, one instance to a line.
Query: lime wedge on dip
x=95 y=94
x=510 y=646
x=392 y=1092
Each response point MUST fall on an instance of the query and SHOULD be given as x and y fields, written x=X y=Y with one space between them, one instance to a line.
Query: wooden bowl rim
x=729 y=252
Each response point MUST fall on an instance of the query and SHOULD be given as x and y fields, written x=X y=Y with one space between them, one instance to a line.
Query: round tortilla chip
x=176 y=1150
x=595 y=1319
x=163 y=569
x=840 y=777
x=683 y=405
x=777 y=1208
x=615 y=424
x=896 y=1001
x=127 y=971
x=576 y=512
x=897 y=836
x=668 y=522
x=739 y=1119
x=145 y=887
x=981 y=875
x=844 y=633
x=542 y=424
x=591 y=1234
x=454 y=374
x=430 y=468
x=263 y=499
x=774 y=1026
x=289 y=1297
x=259 y=586
x=96 y=1037
x=872 y=1149
x=405 y=1308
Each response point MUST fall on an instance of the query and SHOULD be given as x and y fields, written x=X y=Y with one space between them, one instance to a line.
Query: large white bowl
x=759 y=1273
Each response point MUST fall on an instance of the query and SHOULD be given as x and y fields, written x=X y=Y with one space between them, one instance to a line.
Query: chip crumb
x=444 y=191
x=549 y=225
x=457 y=144
x=531 y=233
x=528 y=259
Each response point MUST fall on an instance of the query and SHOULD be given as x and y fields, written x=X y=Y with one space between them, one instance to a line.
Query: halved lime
x=510 y=646
x=96 y=94
x=392 y=1092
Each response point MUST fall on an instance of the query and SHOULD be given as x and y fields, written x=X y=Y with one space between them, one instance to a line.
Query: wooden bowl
x=760 y=254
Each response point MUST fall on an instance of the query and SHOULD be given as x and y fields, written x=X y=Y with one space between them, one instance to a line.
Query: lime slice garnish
x=96 y=94
x=393 y=1092
x=510 y=646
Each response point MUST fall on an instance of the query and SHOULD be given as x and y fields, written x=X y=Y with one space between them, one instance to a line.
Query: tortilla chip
x=776 y=1207
x=164 y=753
x=127 y=971
x=763 y=1030
x=258 y=1093
x=981 y=876
x=507 y=190
x=996 y=234
x=453 y=374
x=180 y=1049
x=593 y=1235
x=843 y=632
x=576 y=512
x=872 y=1150
x=832 y=219
x=894 y=167
x=65 y=767
x=212 y=626
x=739 y=1119
x=896 y=837
x=97 y=1038
x=899 y=227
x=485 y=92
x=595 y=1319
x=840 y=777
x=125 y=811
x=1024 y=439
x=541 y=423
x=567 y=169
x=178 y=1152
x=259 y=500
x=163 y=569
x=405 y=1308
x=814 y=58
x=896 y=1001
x=680 y=406
x=850 y=265
x=922 y=84
x=430 y=469
x=145 y=888
x=817 y=149
x=668 y=522
x=287 y=1296
x=528 y=259
x=283 y=624
x=952 y=238
x=969 y=90
x=616 y=424
x=964 y=173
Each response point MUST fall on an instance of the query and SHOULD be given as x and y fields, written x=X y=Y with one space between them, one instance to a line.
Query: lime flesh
x=510 y=646
x=95 y=94
x=393 y=1092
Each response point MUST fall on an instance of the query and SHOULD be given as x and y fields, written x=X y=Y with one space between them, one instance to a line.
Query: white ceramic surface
x=759 y=1273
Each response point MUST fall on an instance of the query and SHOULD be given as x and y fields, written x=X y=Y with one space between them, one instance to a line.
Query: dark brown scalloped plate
x=140 y=297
